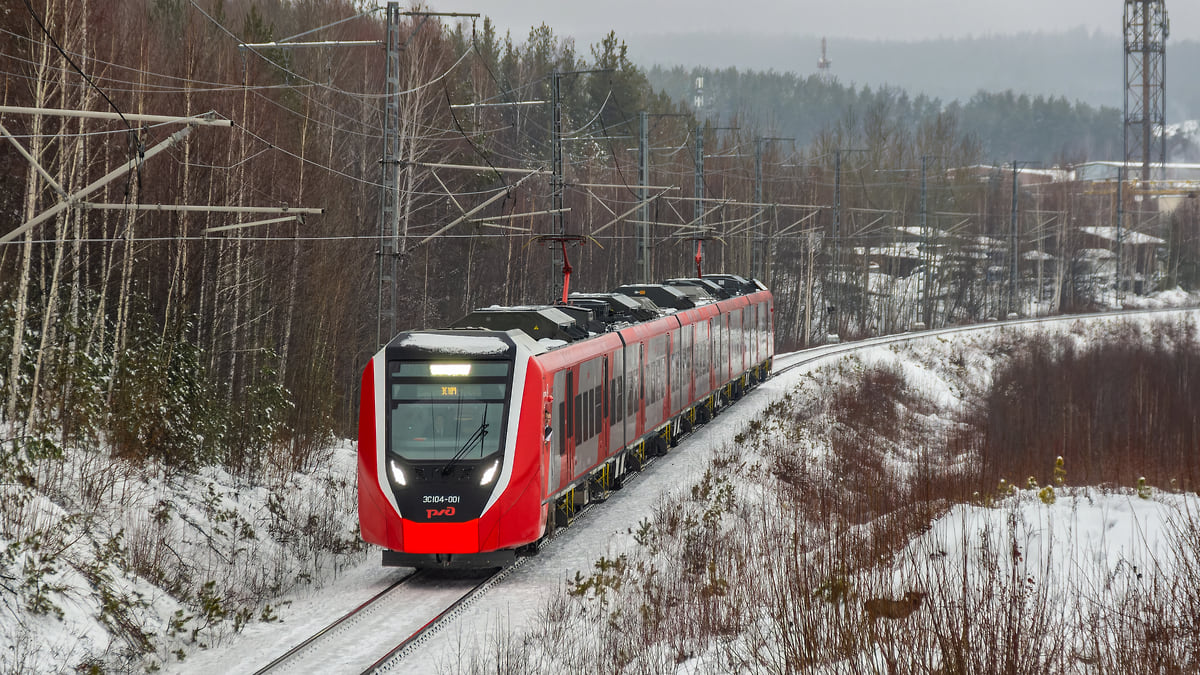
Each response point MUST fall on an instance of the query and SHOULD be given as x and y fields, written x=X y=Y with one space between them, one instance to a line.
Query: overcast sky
x=870 y=19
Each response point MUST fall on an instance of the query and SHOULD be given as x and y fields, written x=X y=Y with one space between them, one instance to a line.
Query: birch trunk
x=33 y=186
x=294 y=272
x=68 y=174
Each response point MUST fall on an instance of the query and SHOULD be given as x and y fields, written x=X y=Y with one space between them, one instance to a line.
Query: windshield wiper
x=476 y=437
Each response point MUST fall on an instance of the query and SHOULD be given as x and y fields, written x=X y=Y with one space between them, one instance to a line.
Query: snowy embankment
x=116 y=567
x=754 y=547
x=122 y=546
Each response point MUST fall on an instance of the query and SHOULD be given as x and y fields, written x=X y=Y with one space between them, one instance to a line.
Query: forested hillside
x=1078 y=65
x=1051 y=130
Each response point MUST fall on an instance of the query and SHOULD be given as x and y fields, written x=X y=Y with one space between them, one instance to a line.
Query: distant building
x=1177 y=174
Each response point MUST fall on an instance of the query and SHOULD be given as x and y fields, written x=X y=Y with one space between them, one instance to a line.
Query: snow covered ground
x=1087 y=538
x=1090 y=532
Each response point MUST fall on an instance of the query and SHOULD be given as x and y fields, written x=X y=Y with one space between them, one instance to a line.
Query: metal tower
x=824 y=63
x=390 y=248
x=1146 y=28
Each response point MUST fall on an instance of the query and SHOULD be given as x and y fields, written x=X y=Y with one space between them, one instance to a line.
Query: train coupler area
x=450 y=561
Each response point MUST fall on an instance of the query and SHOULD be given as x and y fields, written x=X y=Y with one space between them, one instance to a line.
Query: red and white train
x=474 y=443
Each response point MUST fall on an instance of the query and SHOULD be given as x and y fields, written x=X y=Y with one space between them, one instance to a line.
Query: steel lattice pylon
x=1146 y=28
x=389 y=226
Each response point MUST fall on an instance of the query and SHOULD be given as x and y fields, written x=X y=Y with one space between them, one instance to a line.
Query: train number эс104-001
x=441 y=499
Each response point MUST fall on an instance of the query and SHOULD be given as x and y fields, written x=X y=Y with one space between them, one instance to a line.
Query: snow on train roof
x=455 y=344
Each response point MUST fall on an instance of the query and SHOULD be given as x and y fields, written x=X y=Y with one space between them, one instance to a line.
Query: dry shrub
x=1121 y=409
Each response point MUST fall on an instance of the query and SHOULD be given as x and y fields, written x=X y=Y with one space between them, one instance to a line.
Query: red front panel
x=516 y=517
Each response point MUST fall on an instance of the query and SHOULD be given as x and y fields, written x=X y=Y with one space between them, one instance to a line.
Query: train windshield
x=447 y=411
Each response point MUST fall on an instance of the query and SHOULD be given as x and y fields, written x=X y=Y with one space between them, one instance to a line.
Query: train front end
x=451 y=448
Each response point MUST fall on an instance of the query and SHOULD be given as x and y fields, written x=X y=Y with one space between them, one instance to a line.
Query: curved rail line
x=806 y=356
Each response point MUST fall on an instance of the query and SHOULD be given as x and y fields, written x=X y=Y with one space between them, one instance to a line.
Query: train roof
x=538 y=322
x=735 y=284
x=621 y=307
x=667 y=297
x=444 y=342
x=590 y=314
x=711 y=287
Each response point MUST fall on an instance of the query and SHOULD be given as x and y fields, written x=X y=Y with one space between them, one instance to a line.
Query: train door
x=685 y=378
x=655 y=386
x=735 y=343
x=616 y=402
x=674 y=354
x=588 y=416
x=763 y=345
x=633 y=390
x=563 y=430
x=721 y=358
x=748 y=336
x=604 y=391
x=757 y=329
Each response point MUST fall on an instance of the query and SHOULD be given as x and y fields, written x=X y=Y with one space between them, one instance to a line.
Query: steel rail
x=294 y=651
x=811 y=354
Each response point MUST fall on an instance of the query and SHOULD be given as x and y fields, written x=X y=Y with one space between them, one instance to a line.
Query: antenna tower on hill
x=824 y=63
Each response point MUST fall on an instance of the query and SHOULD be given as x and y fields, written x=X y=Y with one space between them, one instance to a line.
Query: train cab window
x=439 y=411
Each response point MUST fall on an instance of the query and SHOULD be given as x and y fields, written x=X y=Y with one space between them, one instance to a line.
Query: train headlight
x=490 y=474
x=398 y=473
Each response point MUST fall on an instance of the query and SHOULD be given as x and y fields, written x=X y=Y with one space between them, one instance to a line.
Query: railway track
x=786 y=362
x=399 y=615
x=332 y=648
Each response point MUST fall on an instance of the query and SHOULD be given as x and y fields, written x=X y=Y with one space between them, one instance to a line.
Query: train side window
x=585 y=417
x=597 y=404
x=598 y=412
x=562 y=432
x=570 y=425
x=605 y=384
x=621 y=397
x=577 y=420
x=645 y=372
x=593 y=403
